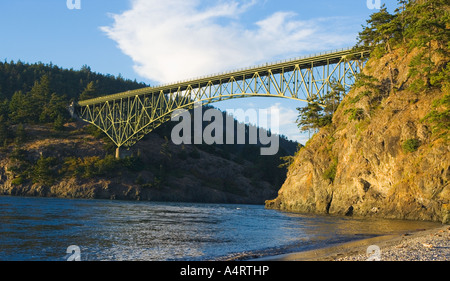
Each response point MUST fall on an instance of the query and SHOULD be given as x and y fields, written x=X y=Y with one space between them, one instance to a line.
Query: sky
x=156 y=42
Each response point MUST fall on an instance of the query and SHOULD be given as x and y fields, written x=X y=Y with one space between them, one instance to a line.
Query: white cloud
x=173 y=40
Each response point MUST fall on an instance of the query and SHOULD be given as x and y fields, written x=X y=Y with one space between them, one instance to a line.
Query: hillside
x=386 y=153
x=43 y=152
x=76 y=164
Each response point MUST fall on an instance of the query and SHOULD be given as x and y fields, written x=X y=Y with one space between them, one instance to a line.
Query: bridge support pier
x=121 y=153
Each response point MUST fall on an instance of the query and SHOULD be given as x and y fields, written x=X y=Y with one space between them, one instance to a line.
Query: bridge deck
x=320 y=59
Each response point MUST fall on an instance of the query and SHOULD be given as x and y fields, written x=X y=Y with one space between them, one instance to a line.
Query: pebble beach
x=431 y=245
x=422 y=245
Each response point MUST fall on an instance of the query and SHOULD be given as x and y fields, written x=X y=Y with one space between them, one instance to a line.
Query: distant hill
x=43 y=152
x=19 y=76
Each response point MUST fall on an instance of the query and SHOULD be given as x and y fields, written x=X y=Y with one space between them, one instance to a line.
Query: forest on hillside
x=33 y=106
x=40 y=94
x=421 y=25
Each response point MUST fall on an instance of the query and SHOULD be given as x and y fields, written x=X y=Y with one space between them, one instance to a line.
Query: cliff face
x=378 y=158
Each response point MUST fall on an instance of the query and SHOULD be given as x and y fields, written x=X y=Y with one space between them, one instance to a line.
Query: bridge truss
x=127 y=117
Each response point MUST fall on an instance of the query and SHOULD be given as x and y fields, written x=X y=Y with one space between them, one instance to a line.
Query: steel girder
x=127 y=117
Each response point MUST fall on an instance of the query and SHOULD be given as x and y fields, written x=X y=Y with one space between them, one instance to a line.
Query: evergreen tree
x=427 y=29
x=40 y=93
x=5 y=131
x=401 y=12
x=428 y=21
x=43 y=172
x=55 y=108
x=20 y=109
x=4 y=109
x=20 y=134
x=318 y=113
x=380 y=30
x=58 y=124
x=89 y=92
x=309 y=117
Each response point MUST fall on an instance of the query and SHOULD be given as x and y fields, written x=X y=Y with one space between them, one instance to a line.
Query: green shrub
x=17 y=181
x=360 y=96
x=439 y=117
x=355 y=114
x=330 y=173
x=410 y=145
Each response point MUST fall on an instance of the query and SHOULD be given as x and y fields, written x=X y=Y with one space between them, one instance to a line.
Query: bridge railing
x=222 y=75
x=255 y=67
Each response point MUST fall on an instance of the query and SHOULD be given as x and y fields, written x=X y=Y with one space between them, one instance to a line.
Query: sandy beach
x=423 y=245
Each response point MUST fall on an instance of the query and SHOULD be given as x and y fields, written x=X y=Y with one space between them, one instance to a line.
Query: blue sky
x=156 y=41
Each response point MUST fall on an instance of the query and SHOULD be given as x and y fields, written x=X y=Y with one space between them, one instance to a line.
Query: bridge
x=127 y=117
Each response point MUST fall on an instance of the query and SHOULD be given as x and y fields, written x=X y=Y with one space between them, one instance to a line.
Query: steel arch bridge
x=127 y=117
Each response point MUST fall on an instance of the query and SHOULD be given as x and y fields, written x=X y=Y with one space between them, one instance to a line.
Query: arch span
x=127 y=117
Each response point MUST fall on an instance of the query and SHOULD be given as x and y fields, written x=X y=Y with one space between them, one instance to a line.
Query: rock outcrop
x=385 y=161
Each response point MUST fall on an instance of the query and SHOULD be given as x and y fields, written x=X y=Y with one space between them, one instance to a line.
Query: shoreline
x=421 y=245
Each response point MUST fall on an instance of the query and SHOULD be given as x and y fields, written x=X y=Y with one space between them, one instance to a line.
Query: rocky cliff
x=381 y=156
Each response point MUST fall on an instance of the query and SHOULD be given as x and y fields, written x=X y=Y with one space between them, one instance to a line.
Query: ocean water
x=42 y=229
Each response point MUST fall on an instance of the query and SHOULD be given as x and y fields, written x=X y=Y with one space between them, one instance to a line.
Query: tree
x=4 y=109
x=55 y=108
x=5 y=131
x=20 y=109
x=380 y=30
x=89 y=92
x=20 y=134
x=319 y=112
x=43 y=172
x=427 y=29
x=401 y=17
x=309 y=117
x=427 y=21
x=58 y=124
x=40 y=93
x=333 y=98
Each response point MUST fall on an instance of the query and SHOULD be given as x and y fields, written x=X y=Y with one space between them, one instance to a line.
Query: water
x=41 y=229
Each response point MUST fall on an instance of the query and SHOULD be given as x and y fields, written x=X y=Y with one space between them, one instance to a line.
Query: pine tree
x=40 y=93
x=4 y=109
x=20 y=134
x=55 y=108
x=43 y=172
x=20 y=109
x=401 y=12
x=5 y=131
x=427 y=29
x=58 y=124
x=380 y=30
x=309 y=117
x=89 y=92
